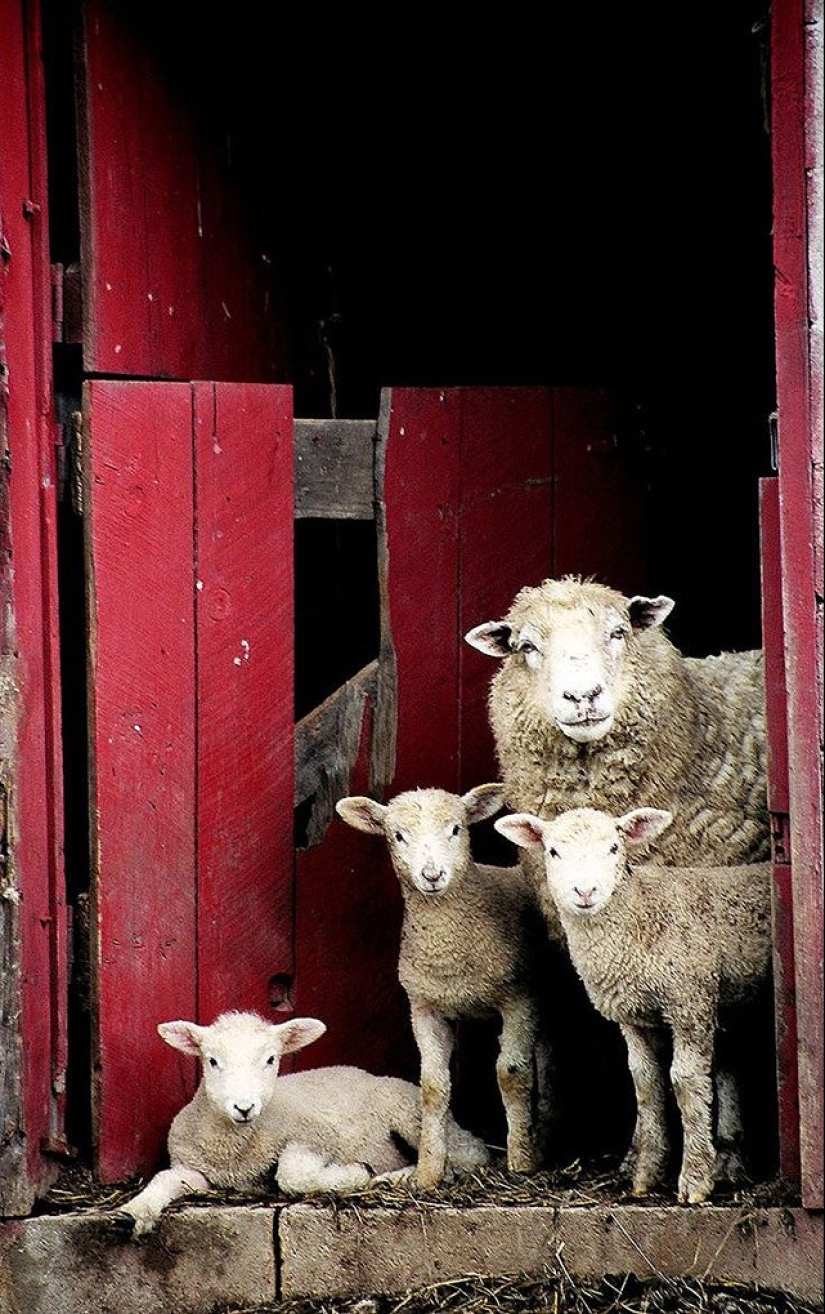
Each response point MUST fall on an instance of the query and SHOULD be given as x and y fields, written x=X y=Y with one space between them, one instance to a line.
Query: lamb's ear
x=363 y=813
x=185 y=1036
x=522 y=828
x=298 y=1032
x=492 y=638
x=483 y=801
x=647 y=613
x=643 y=824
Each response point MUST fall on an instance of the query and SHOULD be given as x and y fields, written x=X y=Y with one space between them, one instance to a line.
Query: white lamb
x=471 y=947
x=659 y=950
x=329 y=1129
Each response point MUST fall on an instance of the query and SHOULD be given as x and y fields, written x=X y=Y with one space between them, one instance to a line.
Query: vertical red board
x=793 y=76
x=245 y=624
x=33 y=924
x=422 y=490
x=139 y=518
x=507 y=496
x=165 y=249
x=787 y=1077
x=347 y=933
x=599 y=514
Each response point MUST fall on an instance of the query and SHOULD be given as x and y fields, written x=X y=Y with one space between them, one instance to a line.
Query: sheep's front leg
x=515 y=1073
x=435 y=1038
x=302 y=1171
x=691 y=1074
x=141 y=1214
x=650 y=1146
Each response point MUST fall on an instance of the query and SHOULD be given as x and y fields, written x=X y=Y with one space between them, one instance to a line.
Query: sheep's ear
x=643 y=824
x=647 y=613
x=483 y=801
x=492 y=638
x=522 y=828
x=298 y=1032
x=185 y=1036
x=362 y=813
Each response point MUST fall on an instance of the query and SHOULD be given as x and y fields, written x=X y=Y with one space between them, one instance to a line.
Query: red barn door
x=188 y=514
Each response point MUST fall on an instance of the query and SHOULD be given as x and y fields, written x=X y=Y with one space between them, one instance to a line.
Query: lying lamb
x=594 y=707
x=659 y=949
x=327 y=1129
x=471 y=947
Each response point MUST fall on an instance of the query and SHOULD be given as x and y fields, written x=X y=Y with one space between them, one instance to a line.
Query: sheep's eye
x=213 y=1062
x=554 y=853
x=526 y=646
x=619 y=633
x=399 y=835
x=614 y=848
x=270 y=1063
x=456 y=829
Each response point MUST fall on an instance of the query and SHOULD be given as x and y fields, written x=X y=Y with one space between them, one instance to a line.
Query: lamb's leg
x=514 y=1069
x=730 y=1166
x=141 y=1214
x=650 y=1148
x=435 y=1038
x=302 y=1171
x=691 y=1074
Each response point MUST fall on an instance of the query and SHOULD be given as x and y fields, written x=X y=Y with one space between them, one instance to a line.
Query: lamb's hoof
x=730 y=1166
x=694 y=1192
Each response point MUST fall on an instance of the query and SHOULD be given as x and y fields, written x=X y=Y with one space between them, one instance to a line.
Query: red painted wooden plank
x=245 y=759
x=506 y=537
x=779 y=804
x=347 y=931
x=139 y=517
x=599 y=524
x=422 y=492
x=800 y=451
x=164 y=248
x=29 y=594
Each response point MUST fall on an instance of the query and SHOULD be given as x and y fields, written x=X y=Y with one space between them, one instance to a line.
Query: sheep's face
x=427 y=831
x=570 y=640
x=585 y=851
x=241 y=1055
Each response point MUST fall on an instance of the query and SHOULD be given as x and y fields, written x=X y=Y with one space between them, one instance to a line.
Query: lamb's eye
x=614 y=848
x=213 y=1062
x=619 y=633
x=270 y=1063
x=526 y=646
x=456 y=830
x=554 y=853
x=399 y=836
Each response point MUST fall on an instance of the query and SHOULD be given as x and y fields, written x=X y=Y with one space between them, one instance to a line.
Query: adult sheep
x=595 y=707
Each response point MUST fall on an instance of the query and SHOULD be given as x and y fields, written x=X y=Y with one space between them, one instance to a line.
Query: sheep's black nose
x=244 y=1112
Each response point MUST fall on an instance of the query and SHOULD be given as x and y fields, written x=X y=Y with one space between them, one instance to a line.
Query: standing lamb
x=471 y=947
x=659 y=949
x=327 y=1129
x=595 y=707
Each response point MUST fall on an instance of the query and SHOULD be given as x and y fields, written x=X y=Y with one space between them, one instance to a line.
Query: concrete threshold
x=206 y=1258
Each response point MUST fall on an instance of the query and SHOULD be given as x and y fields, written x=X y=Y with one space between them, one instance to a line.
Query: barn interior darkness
x=578 y=196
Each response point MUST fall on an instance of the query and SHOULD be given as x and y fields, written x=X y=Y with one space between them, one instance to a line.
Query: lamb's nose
x=244 y=1112
x=586 y=896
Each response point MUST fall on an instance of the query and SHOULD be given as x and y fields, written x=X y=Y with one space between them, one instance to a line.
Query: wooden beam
x=334 y=469
x=326 y=747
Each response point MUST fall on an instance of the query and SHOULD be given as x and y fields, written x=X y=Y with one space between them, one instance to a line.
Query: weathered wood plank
x=800 y=455
x=139 y=515
x=327 y=742
x=334 y=469
x=787 y=1076
x=244 y=753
